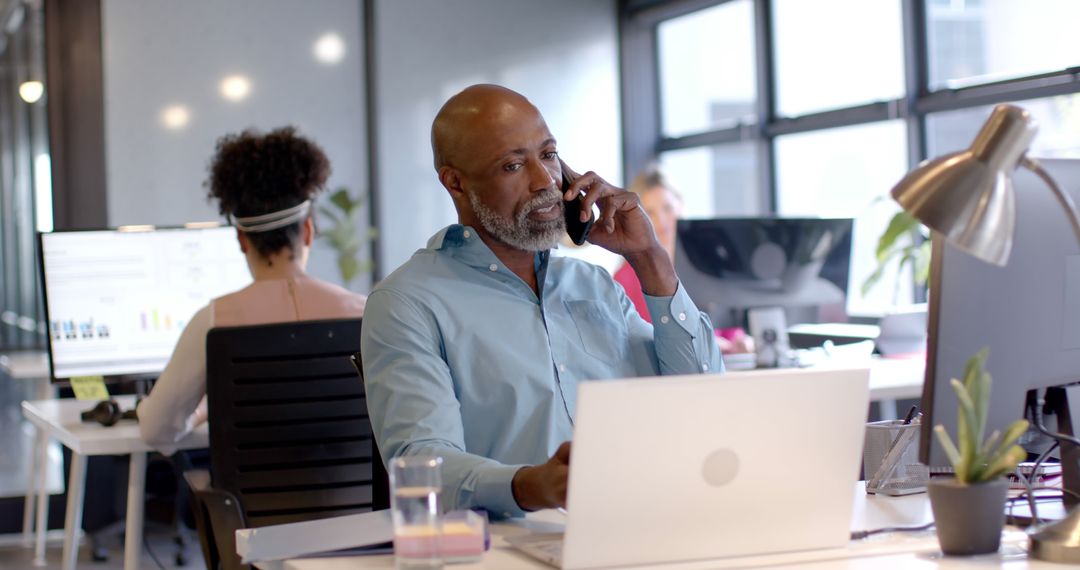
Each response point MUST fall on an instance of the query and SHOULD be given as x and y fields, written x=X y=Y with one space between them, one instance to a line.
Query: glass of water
x=415 y=505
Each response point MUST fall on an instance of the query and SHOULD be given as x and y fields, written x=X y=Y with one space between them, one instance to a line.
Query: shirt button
x=466 y=234
x=682 y=316
x=665 y=319
x=493 y=267
x=562 y=368
x=704 y=367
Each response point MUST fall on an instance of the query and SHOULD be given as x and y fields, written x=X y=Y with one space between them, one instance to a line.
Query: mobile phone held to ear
x=575 y=228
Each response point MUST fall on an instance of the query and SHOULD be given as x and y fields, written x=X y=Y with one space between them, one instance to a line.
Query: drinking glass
x=415 y=506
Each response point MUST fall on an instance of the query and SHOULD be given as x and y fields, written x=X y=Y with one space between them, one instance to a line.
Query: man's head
x=497 y=159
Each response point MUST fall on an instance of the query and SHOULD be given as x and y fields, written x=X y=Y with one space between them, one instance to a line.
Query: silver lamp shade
x=968 y=196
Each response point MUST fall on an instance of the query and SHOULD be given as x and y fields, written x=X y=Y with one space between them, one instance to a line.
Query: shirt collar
x=462 y=243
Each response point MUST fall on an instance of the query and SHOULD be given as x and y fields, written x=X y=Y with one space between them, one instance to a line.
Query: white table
x=896 y=550
x=25 y=365
x=895 y=379
x=59 y=420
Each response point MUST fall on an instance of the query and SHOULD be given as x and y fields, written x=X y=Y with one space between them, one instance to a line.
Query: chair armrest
x=217 y=517
x=223 y=510
x=197 y=479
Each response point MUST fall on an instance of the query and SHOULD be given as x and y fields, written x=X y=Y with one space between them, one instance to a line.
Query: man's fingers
x=594 y=187
x=562 y=455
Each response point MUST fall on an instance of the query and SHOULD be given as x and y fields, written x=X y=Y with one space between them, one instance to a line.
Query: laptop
x=682 y=468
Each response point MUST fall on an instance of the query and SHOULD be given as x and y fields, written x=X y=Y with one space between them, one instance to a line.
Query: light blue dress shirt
x=461 y=359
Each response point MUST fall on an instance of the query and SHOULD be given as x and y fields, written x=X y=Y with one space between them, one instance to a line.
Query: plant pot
x=968 y=517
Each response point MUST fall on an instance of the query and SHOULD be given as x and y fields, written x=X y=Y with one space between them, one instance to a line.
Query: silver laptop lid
x=696 y=467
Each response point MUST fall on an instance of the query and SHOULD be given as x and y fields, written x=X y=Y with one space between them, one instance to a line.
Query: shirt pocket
x=602 y=333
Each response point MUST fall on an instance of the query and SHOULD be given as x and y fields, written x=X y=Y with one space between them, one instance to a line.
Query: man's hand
x=543 y=486
x=624 y=228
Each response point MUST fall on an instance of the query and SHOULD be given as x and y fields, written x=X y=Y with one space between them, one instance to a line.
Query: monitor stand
x=1064 y=402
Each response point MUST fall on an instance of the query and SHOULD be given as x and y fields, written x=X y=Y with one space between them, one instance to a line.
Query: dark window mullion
x=766 y=104
x=916 y=77
x=1064 y=82
x=869 y=113
x=707 y=138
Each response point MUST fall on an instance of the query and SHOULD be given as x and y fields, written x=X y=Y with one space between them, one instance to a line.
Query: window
x=716 y=180
x=707 y=76
x=847 y=172
x=1058 y=119
x=972 y=42
x=832 y=54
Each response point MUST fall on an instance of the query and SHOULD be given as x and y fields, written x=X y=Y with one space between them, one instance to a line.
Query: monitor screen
x=729 y=265
x=117 y=301
x=1027 y=312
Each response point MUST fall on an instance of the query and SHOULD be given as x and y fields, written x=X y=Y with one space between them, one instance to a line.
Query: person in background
x=266 y=183
x=664 y=206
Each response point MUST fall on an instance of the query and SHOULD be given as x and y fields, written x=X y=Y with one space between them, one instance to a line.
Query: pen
x=911 y=414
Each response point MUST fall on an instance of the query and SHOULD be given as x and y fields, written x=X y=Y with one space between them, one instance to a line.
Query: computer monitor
x=731 y=265
x=1027 y=313
x=116 y=301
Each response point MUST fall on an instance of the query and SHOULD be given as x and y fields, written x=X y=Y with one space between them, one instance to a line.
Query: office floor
x=159 y=542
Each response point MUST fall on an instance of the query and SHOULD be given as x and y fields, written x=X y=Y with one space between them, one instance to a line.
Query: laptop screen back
x=698 y=467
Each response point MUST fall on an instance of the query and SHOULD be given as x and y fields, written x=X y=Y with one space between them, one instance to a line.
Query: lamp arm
x=1066 y=202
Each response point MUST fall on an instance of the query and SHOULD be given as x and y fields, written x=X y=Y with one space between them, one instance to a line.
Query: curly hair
x=253 y=173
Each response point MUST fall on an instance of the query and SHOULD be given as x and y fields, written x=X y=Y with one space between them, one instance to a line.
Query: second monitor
x=731 y=265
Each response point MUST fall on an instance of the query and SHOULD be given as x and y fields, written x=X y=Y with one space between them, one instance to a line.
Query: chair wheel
x=181 y=560
x=99 y=554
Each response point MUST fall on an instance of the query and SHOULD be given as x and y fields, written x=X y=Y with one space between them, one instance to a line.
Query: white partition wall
x=562 y=55
x=178 y=75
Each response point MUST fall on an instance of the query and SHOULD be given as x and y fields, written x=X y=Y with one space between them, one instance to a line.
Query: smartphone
x=575 y=228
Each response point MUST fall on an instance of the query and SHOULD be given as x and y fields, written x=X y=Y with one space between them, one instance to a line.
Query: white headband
x=273 y=220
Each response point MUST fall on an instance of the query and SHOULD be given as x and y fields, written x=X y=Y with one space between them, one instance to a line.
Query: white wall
x=159 y=54
x=561 y=54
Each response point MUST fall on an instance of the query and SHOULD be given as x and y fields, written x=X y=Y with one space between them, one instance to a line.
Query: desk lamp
x=968 y=198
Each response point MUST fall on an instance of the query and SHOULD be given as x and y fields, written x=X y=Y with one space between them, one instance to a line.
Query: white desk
x=25 y=365
x=895 y=379
x=898 y=550
x=59 y=420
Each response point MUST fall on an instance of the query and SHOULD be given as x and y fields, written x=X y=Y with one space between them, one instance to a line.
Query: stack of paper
x=373 y=532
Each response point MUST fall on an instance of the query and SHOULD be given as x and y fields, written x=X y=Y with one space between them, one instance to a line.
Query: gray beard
x=521 y=232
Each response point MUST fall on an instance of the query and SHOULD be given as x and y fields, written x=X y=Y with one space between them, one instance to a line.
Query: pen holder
x=891 y=459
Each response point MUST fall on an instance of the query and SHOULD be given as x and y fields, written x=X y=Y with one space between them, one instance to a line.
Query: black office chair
x=290 y=438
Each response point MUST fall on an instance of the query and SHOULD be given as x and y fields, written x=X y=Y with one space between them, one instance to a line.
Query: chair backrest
x=290 y=435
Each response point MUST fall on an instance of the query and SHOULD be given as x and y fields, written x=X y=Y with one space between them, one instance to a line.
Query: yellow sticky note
x=89 y=388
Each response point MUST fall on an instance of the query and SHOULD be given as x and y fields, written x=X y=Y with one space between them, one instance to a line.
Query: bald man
x=473 y=349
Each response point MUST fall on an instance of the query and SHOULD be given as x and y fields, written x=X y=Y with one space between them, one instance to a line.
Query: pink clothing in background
x=169 y=412
x=626 y=277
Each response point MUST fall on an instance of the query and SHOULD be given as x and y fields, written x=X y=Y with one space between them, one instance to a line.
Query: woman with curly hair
x=266 y=184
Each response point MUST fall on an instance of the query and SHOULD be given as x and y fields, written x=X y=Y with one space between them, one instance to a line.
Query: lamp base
x=1058 y=541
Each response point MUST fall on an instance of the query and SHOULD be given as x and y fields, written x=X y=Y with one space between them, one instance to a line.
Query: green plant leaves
x=904 y=239
x=974 y=459
x=344 y=235
x=899 y=225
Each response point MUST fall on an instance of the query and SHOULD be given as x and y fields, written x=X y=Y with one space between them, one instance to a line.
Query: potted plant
x=906 y=240
x=345 y=235
x=969 y=509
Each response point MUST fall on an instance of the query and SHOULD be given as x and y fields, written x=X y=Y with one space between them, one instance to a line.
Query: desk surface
x=59 y=419
x=896 y=378
x=32 y=364
x=897 y=550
